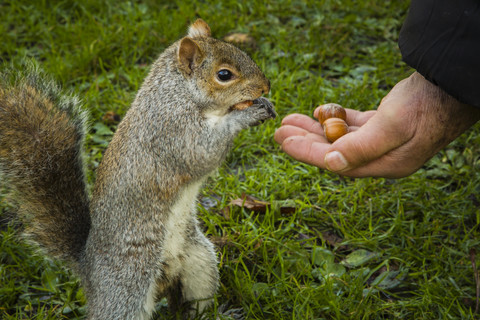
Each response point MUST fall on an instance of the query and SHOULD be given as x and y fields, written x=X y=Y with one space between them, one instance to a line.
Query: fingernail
x=335 y=161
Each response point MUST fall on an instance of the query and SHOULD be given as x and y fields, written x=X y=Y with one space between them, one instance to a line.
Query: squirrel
x=136 y=237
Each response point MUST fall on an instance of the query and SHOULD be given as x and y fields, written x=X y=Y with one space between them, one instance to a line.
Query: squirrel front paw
x=261 y=110
x=267 y=105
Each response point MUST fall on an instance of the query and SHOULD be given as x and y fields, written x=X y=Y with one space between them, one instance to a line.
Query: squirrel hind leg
x=191 y=289
x=176 y=303
x=129 y=295
x=199 y=276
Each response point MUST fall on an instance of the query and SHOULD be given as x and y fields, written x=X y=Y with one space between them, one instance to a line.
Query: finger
x=358 y=118
x=303 y=121
x=386 y=166
x=287 y=131
x=306 y=150
x=353 y=128
x=311 y=149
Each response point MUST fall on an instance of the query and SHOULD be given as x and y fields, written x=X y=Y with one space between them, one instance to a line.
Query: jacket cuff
x=441 y=40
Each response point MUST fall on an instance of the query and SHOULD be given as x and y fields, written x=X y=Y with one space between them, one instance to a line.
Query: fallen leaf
x=222 y=241
x=242 y=40
x=260 y=288
x=335 y=241
x=257 y=205
x=388 y=279
x=331 y=238
x=358 y=258
x=321 y=256
x=110 y=117
x=250 y=203
x=284 y=206
x=258 y=244
x=102 y=130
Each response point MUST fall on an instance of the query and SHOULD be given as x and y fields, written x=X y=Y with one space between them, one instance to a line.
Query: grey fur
x=144 y=240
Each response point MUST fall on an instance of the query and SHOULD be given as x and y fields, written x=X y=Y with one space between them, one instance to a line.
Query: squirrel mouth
x=242 y=105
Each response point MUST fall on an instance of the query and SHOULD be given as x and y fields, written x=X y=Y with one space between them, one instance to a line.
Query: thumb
x=371 y=141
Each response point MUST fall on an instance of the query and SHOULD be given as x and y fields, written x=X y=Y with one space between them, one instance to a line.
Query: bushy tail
x=41 y=158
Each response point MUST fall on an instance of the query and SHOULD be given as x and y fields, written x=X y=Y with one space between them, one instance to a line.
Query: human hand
x=412 y=123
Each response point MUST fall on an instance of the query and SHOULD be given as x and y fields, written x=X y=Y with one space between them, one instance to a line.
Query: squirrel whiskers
x=137 y=237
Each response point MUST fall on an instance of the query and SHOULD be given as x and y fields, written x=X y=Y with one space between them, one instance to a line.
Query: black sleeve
x=441 y=40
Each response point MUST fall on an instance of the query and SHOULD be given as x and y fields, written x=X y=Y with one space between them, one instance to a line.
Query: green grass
x=352 y=248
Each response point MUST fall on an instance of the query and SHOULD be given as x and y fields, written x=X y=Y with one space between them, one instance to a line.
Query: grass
x=351 y=248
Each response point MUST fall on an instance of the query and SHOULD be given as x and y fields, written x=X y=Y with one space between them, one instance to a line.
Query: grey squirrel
x=137 y=237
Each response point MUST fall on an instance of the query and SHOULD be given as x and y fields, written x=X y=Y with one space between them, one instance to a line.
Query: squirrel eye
x=224 y=75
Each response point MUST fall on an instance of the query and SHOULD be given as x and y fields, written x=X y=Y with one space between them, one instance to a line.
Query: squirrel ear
x=189 y=55
x=199 y=29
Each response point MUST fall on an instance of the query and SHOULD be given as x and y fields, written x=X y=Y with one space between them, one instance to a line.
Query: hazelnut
x=243 y=105
x=334 y=128
x=331 y=110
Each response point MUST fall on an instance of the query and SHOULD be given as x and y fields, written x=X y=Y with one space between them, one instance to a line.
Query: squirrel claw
x=265 y=103
x=271 y=112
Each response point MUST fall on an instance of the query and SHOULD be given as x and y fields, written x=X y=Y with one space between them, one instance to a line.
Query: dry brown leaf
x=335 y=241
x=256 y=205
x=258 y=244
x=250 y=203
x=222 y=241
x=111 y=117
x=242 y=40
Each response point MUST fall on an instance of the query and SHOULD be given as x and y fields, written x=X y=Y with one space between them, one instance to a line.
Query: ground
x=318 y=246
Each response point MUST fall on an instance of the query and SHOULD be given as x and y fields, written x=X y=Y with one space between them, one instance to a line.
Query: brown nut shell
x=331 y=110
x=243 y=105
x=334 y=128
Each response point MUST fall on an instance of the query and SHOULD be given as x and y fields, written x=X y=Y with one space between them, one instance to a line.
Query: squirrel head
x=223 y=74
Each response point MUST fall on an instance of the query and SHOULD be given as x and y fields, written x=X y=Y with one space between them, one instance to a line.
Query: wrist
x=442 y=117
